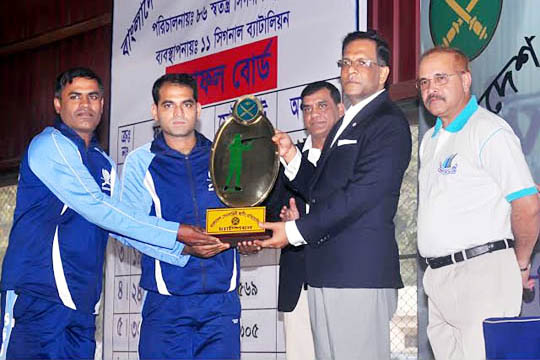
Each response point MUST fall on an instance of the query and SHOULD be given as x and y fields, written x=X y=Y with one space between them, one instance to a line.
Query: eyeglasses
x=358 y=63
x=322 y=106
x=438 y=79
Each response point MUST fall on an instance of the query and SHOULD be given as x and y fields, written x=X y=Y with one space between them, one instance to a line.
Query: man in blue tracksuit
x=52 y=270
x=190 y=311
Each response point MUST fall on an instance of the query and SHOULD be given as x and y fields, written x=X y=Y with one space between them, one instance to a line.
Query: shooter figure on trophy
x=236 y=149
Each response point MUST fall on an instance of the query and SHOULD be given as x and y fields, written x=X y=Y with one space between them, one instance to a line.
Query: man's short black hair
x=318 y=85
x=178 y=79
x=383 y=51
x=67 y=78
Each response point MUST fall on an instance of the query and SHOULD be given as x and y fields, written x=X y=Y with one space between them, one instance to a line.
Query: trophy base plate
x=234 y=239
x=232 y=225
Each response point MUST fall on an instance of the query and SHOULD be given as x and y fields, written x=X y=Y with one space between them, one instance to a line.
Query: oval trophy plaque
x=244 y=165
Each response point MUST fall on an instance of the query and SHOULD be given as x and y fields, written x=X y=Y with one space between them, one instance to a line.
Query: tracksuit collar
x=159 y=145
x=73 y=136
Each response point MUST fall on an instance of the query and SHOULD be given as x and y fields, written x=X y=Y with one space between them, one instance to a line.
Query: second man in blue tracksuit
x=190 y=312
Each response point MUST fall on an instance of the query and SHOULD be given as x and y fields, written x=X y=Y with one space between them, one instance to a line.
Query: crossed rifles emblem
x=247 y=112
x=464 y=15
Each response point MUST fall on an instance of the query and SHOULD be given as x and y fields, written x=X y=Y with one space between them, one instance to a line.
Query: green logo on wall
x=467 y=25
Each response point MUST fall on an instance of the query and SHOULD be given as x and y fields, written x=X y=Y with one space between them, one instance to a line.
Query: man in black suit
x=321 y=109
x=352 y=260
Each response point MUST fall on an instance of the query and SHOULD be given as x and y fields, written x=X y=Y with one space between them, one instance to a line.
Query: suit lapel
x=326 y=147
x=325 y=150
x=362 y=115
x=366 y=113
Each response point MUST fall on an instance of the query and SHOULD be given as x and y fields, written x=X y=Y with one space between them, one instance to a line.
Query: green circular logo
x=247 y=110
x=467 y=25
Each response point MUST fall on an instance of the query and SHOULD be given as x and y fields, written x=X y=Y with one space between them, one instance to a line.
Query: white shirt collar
x=355 y=109
x=308 y=144
x=352 y=112
x=313 y=153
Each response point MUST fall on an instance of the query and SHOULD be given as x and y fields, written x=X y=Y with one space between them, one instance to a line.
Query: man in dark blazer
x=352 y=260
x=321 y=109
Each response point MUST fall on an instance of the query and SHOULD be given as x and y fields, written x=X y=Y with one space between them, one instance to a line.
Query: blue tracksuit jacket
x=62 y=218
x=177 y=187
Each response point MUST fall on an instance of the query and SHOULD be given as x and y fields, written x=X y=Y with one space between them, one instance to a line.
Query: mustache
x=85 y=112
x=435 y=97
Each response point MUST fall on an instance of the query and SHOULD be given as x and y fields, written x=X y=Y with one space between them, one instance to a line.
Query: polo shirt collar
x=459 y=122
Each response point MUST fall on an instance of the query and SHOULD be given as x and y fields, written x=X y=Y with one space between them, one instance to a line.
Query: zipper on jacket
x=197 y=216
x=193 y=193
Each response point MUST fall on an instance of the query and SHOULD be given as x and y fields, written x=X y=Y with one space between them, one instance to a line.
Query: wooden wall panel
x=408 y=33
x=398 y=21
x=26 y=90
x=23 y=19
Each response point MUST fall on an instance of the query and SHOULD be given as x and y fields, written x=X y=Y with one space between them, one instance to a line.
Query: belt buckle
x=463 y=255
x=432 y=262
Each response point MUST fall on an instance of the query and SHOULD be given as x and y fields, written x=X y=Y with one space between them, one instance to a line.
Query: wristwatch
x=528 y=267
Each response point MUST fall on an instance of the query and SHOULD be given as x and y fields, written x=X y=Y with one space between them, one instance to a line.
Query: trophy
x=244 y=165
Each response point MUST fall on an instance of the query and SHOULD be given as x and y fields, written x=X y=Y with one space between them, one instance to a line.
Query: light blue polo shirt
x=470 y=172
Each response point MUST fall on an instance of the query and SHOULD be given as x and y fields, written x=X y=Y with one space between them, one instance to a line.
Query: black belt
x=459 y=256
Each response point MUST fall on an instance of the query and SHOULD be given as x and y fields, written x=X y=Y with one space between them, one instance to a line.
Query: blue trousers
x=44 y=329
x=190 y=327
